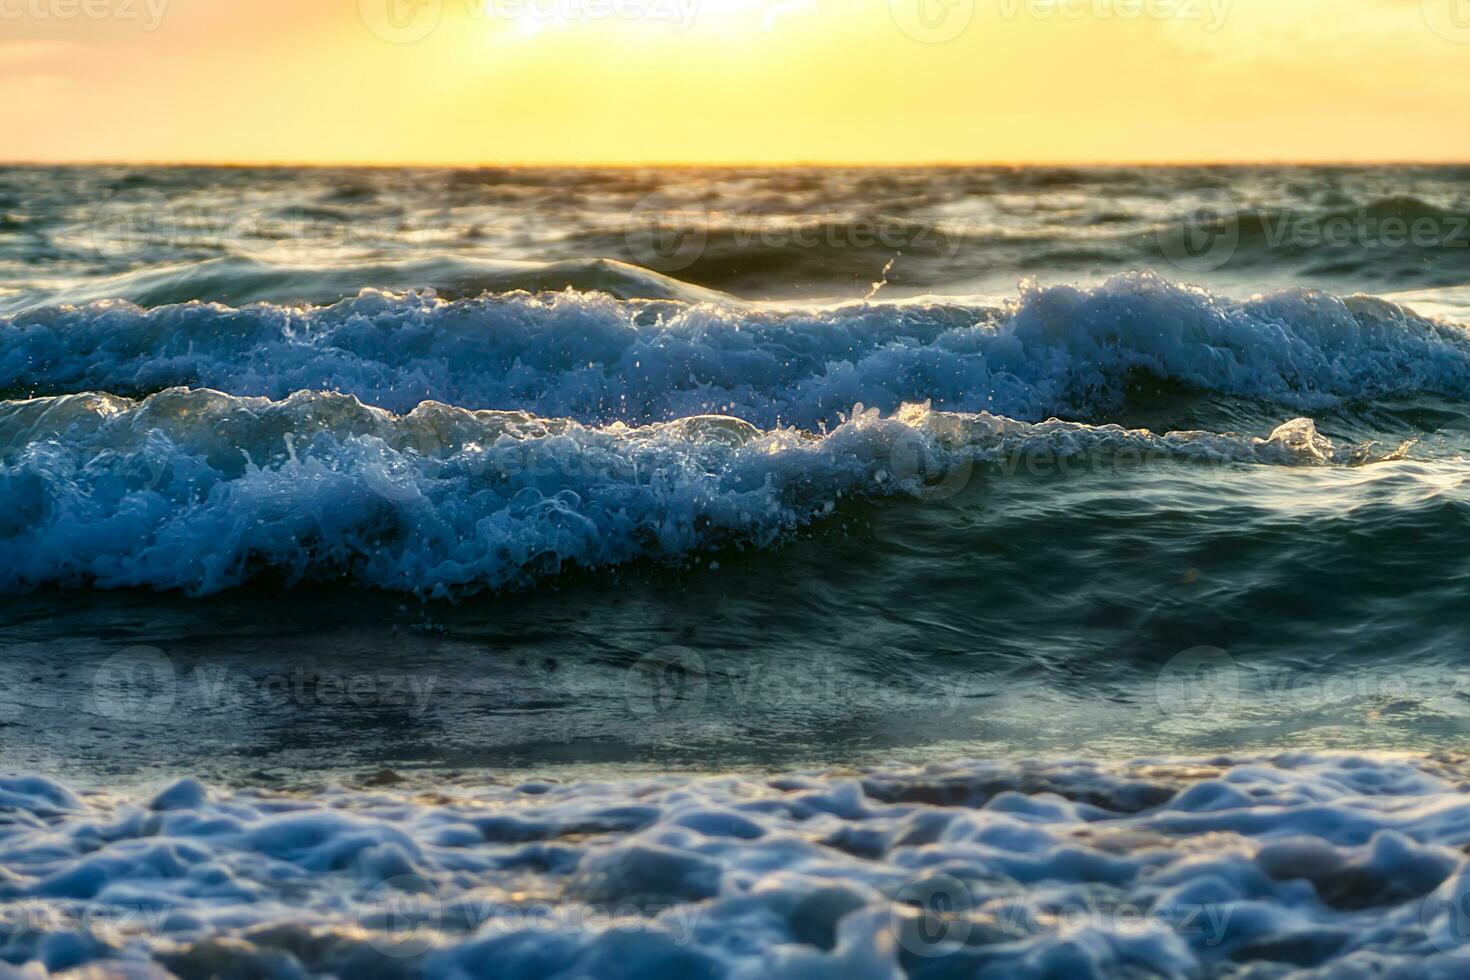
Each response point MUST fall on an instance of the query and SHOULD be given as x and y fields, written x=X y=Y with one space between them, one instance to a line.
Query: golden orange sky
x=705 y=81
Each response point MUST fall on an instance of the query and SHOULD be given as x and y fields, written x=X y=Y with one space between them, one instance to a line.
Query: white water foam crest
x=1350 y=865
x=199 y=490
x=1059 y=351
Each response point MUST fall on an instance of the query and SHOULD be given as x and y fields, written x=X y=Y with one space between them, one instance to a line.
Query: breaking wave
x=1059 y=351
x=199 y=490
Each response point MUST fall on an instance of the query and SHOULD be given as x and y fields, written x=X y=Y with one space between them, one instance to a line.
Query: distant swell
x=1058 y=351
x=237 y=281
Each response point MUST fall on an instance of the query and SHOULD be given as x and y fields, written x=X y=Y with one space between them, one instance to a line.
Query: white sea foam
x=198 y=490
x=1352 y=866
x=1056 y=351
x=621 y=430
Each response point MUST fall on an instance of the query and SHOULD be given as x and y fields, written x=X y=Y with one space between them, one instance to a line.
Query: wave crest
x=1056 y=351
x=200 y=490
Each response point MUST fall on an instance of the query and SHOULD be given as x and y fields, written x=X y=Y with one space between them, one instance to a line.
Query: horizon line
x=712 y=165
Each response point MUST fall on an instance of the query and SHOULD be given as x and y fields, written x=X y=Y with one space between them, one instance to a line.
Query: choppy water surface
x=314 y=480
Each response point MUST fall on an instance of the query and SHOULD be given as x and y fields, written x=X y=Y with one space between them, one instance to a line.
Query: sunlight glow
x=627 y=81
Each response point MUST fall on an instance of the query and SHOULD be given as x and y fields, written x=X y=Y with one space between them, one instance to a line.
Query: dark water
x=491 y=542
x=825 y=580
x=242 y=235
x=1038 y=615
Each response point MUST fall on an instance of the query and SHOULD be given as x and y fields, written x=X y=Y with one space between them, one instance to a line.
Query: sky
x=733 y=81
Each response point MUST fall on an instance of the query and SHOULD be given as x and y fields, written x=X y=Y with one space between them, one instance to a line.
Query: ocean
x=735 y=572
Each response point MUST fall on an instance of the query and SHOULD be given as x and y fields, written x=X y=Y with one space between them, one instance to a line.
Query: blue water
x=366 y=496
